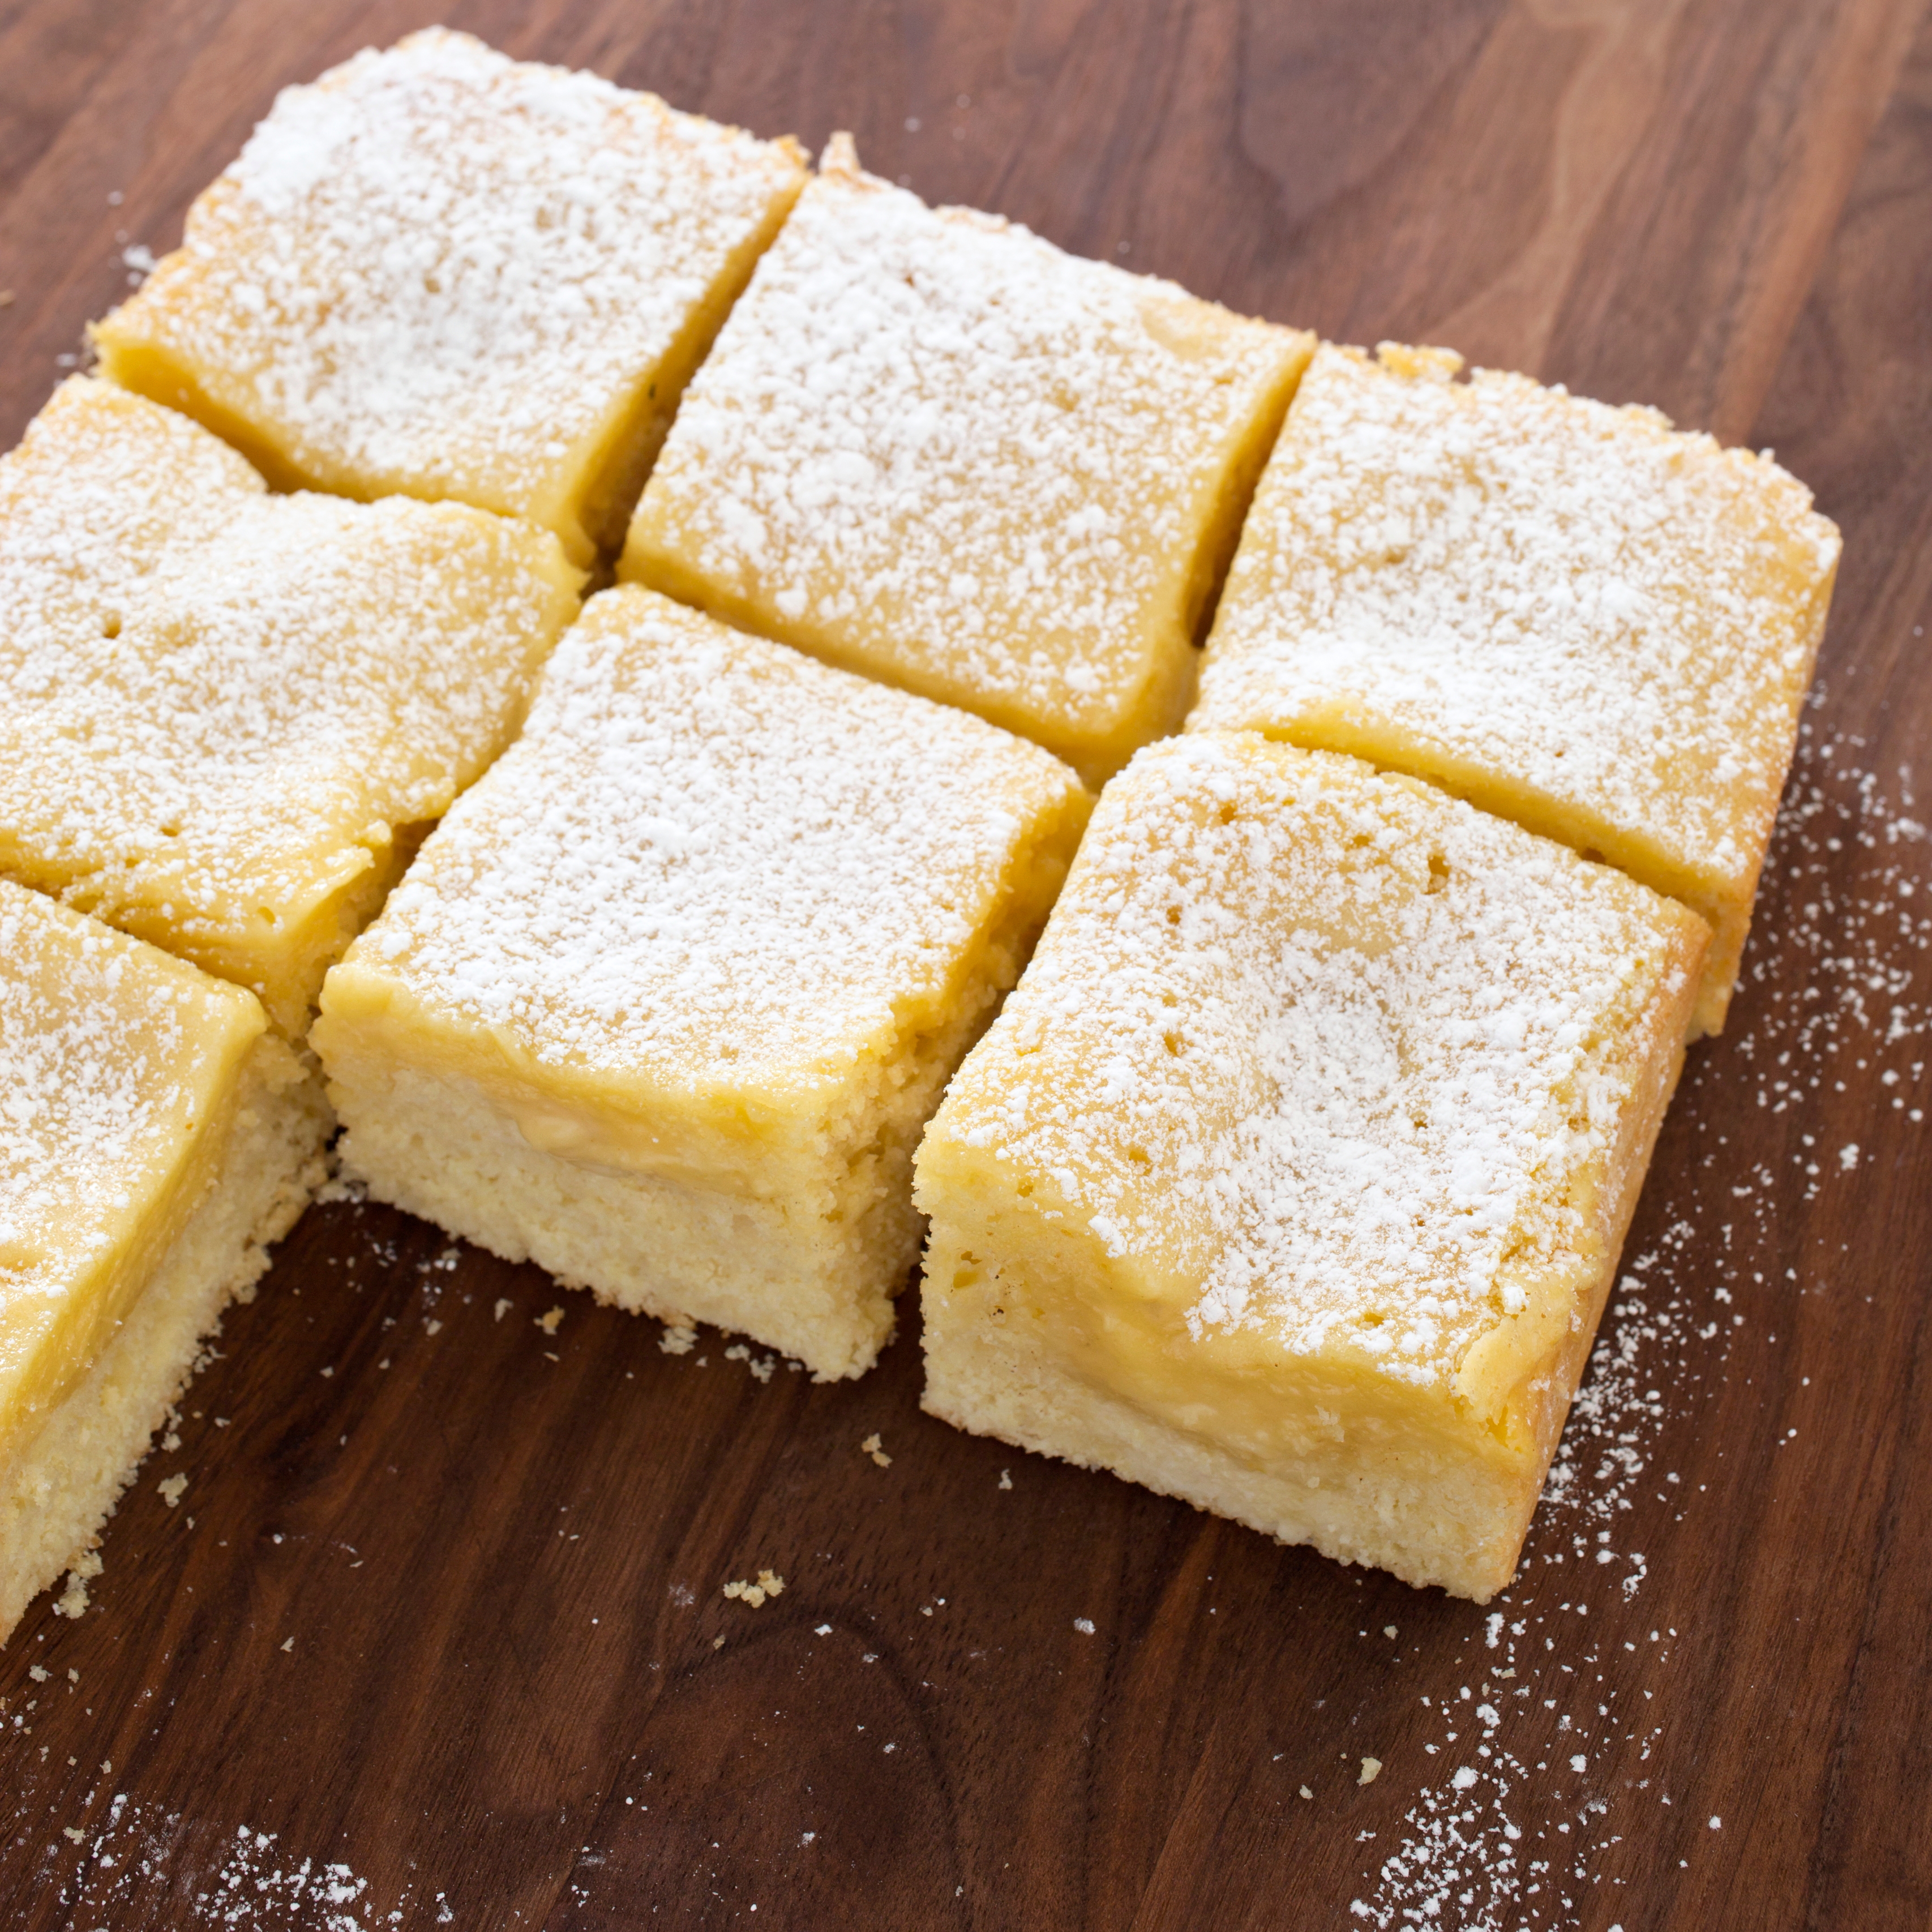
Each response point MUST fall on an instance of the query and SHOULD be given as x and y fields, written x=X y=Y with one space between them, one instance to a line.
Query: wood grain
x=442 y=1603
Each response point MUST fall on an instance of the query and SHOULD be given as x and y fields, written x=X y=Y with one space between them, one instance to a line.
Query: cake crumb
x=1371 y=1769
x=171 y=1488
x=770 y=1584
x=72 y=1831
x=1006 y=1479
x=504 y=1305
x=38 y=1672
x=679 y=1338
x=551 y=1322
x=1306 y=1792
x=81 y=1571
x=288 y=1645
x=1084 y=1625
x=876 y=1449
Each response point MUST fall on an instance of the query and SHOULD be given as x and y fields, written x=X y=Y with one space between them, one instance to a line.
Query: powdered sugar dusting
x=219 y=704
x=107 y=1054
x=134 y=1863
x=710 y=858
x=1610 y=616
x=1329 y=1046
x=930 y=443
x=439 y=270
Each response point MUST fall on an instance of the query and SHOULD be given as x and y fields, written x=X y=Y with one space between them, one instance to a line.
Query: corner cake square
x=665 y=1001
x=154 y=1139
x=931 y=447
x=1571 y=615
x=1291 y=1179
x=226 y=717
x=442 y=273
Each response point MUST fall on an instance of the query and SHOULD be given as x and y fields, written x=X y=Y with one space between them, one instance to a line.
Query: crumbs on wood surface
x=679 y=1338
x=770 y=1584
x=549 y=1322
x=873 y=1447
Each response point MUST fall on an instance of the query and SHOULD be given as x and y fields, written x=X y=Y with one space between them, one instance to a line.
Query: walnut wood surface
x=444 y=1608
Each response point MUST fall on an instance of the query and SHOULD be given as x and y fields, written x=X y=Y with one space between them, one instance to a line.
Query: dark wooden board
x=441 y=1606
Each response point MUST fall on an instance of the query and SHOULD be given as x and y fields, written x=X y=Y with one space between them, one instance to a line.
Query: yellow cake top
x=438 y=270
x=1610 y=614
x=1321 y=1054
x=710 y=864
x=219 y=705
x=929 y=444
x=114 y=1058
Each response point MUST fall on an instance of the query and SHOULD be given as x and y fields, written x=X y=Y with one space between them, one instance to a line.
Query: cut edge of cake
x=991 y=1370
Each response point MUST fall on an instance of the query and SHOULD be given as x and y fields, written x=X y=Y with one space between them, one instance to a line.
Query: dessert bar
x=156 y=1138
x=225 y=716
x=1291 y=1178
x=665 y=1001
x=440 y=272
x=931 y=447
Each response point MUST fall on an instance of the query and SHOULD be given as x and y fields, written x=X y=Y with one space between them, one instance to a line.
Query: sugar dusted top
x=711 y=863
x=440 y=269
x=111 y=1053
x=1316 y=1053
x=931 y=444
x=1617 y=616
x=215 y=704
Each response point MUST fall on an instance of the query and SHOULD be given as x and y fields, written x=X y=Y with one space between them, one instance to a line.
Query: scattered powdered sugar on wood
x=439 y=266
x=1541 y=1764
x=1613 y=615
x=709 y=857
x=136 y=1864
x=929 y=434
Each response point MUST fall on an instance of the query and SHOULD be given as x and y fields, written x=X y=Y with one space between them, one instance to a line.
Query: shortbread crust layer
x=158 y=1141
